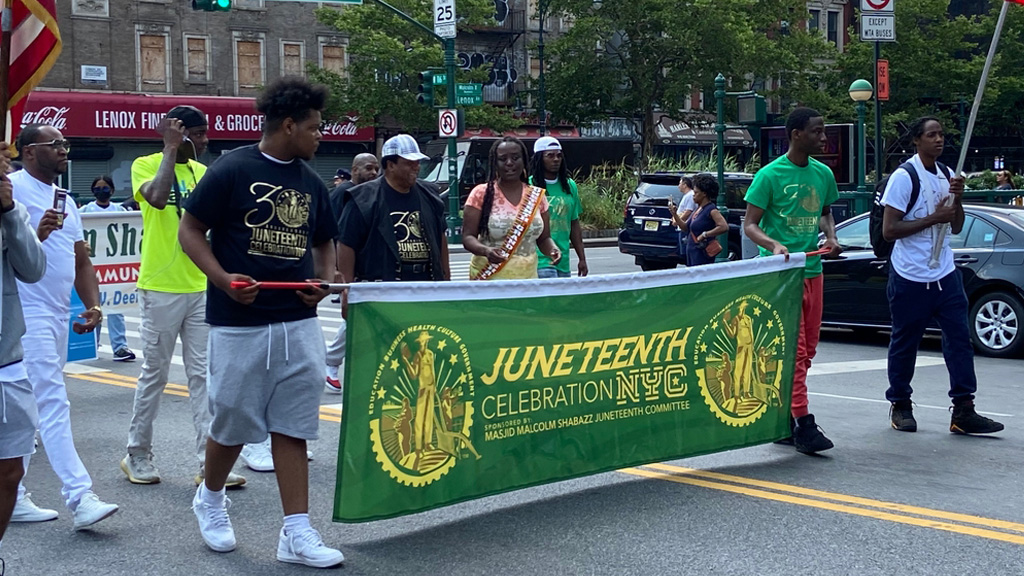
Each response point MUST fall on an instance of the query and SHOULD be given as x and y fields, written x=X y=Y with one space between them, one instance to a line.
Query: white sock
x=295 y=522
x=210 y=497
x=332 y=371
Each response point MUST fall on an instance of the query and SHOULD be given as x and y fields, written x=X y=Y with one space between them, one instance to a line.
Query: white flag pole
x=933 y=261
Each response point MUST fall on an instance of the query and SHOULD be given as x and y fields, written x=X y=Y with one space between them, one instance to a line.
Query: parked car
x=647 y=230
x=989 y=252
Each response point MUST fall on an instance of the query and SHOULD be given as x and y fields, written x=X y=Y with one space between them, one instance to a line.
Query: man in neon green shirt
x=172 y=290
x=547 y=168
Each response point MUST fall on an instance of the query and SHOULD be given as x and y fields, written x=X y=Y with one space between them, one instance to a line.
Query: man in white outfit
x=47 y=309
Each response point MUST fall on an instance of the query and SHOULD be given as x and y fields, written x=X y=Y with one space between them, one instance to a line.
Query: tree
x=386 y=55
x=630 y=57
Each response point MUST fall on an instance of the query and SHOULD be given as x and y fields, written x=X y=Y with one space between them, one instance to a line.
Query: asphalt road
x=881 y=502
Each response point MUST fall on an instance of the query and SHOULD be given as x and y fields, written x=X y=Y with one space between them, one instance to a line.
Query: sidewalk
x=595 y=242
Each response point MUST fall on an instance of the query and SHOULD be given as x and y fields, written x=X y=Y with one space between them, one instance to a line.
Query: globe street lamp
x=861 y=91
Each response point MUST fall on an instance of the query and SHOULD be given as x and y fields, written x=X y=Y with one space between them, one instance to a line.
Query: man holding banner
x=788 y=203
x=269 y=218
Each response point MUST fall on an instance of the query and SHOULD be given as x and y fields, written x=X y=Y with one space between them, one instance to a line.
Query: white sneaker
x=214 y=524
x=257 y=456
x=91 y=510
x=335 y=383
x=25 y=510
x=233 y=480
x=306 y=547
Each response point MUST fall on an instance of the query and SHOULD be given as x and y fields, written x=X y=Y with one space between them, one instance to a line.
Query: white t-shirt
x=93 y=207
x=910 y=255
x=687 y=203
x=51 y=295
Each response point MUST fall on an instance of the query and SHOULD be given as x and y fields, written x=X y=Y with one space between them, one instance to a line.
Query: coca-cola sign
x=136 y=116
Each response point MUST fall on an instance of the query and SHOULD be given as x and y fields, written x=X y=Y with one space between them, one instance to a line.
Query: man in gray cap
x=172 y=290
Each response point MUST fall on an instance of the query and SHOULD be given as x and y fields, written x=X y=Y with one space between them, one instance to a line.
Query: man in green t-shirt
x=547 y=168
x=788 y=203
x=172 y=290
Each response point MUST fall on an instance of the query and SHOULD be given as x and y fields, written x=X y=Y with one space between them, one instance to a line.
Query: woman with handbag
x=705 y=223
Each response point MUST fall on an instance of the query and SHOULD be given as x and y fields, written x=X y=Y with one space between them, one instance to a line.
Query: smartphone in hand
x=60 y=200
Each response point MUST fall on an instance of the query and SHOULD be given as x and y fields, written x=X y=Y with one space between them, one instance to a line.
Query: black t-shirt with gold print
x=265 y=217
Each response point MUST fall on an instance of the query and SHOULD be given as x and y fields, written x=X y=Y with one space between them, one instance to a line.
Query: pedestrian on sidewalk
x=23 y=261
x=919 y=293
x=788 y=204
x=102 y=189
x=703 y=224
x=269 y=218
x=172 y=291
x=681 y=214
x=47 y=308
x=547 y=169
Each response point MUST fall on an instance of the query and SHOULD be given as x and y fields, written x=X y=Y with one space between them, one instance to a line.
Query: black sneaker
x=788 y=441
x=901 y=416
x=966 y=421
x=808 y=438
x=123 y=354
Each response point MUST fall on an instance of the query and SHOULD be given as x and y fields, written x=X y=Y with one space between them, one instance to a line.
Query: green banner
x=461 y=390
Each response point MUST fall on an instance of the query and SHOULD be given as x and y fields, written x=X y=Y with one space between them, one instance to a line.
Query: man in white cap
x=393 y=228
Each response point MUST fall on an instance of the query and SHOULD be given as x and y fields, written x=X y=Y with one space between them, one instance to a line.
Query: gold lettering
x=544 y=360
x=490 y=379
x=622 y=355
x=564 y=367
x=605 y=355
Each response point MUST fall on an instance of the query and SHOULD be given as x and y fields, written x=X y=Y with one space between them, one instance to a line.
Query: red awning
x=135 y=116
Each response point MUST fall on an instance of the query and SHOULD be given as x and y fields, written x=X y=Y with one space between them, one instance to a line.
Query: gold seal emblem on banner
x=739 y=360
x=421 y=405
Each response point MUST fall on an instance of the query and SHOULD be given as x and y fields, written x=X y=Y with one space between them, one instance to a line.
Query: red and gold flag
x=35 y=45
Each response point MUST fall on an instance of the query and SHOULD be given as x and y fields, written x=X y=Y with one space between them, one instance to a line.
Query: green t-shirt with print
x=793 y=198
x=165 y=267
x=562 y=210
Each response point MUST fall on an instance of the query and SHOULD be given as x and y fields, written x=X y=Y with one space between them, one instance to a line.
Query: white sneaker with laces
x=214 y=523
x=257 y=456
x=91 y=510
x=25 y=510
x=306 y=547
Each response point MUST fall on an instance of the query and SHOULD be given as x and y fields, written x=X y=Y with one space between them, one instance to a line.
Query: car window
x=981 y=235
x=647 y=191
x=734 y=194
x=960 y=240
x=855 y=236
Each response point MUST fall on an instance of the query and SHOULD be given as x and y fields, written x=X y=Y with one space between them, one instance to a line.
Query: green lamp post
x=860 y=92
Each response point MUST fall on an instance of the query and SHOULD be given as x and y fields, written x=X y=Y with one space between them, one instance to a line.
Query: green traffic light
x=426 y=88
x=212 y=5
x=224 y=5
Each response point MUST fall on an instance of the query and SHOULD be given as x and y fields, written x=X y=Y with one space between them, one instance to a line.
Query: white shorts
x=19 y=419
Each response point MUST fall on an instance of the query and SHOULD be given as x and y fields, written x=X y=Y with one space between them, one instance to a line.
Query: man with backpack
x=915 y=209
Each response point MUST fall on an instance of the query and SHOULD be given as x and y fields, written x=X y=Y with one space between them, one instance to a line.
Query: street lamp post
x=860 y=92
x=542 y=9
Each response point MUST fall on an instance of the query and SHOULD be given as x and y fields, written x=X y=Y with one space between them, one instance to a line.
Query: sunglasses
x=55 y=144
x=105 y=189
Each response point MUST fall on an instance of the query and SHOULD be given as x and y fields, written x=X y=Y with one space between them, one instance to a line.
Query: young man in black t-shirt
x=269 y=219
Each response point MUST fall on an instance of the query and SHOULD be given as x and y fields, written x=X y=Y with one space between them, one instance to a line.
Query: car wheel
x=648 y=265
x=995 y=323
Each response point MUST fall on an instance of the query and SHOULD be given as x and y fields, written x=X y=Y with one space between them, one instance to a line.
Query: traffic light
x=212 y=5
x=426 y=88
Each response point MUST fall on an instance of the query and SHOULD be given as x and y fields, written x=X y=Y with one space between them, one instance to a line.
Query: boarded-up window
x=334 y=59
x=250 y=64
x=153 y=59
x=197 y=69
x=292 y=64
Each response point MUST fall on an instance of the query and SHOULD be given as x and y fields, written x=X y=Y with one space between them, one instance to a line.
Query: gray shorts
x=263 y=379
x=18 y=419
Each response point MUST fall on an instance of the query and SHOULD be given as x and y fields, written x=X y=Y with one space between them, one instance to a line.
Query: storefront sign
x=590 y=375
x=136 y=116
x=115 y=246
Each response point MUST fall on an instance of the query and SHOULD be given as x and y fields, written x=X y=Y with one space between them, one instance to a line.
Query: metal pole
x=542 y=97
x=720 y=129
x=7 y=19
x=880 y=155
x=861 y=148
x=454 y=219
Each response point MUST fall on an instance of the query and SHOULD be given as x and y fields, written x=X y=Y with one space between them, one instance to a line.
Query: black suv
x=647 y=230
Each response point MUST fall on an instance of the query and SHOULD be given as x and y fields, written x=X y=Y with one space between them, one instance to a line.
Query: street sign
x=877 y=27
x=876 y=6
x=444 y=18
x=882 y=89
x=440 y=79
x=447 y=123
x=469 y=94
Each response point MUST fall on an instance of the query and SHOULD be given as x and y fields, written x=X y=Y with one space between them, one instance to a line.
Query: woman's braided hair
x=492 y=174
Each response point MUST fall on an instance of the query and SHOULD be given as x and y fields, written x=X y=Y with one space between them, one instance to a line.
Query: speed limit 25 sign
x=444 y=18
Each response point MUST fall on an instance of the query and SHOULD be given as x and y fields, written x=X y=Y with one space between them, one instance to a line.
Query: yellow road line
x=834 y=507
x=327 y=414
x=892 y=506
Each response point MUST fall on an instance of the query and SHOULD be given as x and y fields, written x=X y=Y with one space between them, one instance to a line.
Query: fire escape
x=495 y=44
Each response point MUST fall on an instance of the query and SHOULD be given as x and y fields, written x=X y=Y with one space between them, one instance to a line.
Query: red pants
x=807 y=341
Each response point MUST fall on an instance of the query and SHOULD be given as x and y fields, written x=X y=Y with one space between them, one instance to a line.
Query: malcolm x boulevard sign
x=464 y=389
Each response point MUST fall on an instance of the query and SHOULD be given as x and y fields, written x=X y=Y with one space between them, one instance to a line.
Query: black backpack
x=881 y=246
